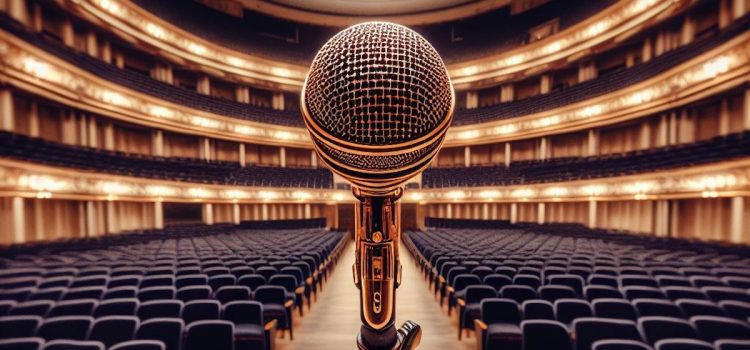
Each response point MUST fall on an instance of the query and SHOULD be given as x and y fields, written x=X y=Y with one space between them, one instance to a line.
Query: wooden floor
x=333 y=322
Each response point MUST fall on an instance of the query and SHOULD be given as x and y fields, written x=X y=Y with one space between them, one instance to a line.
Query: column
x=485 y=211
x=314 y=159
x=672 y=127
x=629 y=59
x=282 y=157
x=277 y=101
x=19 y=220
x=90 y=219
x=69 y=130
x=157 y=143
x=660 y=44
x=472 y=99
x=674 y=217
x=37 y=22
x=92 y=48
x=467 y=156
x=119 y=60
x=739 y=8
x=17 y=10
x=205 y=148
x=111 y=217
x=725 y=15
x=662 y=135
x=592 y=213
x=645 y=138
x=109 y=136
x=449 y=211
x=724 y=117
x=647 y=51
x=242 y=94
x=507 y=93
x=264 y=211
x=593 y=143
x=158 y=215
x=540 y=213
x=508 y=154
x=208 y=214
x=204 y=85
x=308 y=211
x=545 y=84
x=687 y=34
x=513 y=213
x=746 y=110
x=235 y=213
x=83 y=130
x=544 y=147
x=106 y=54
x=7 y=121
x=93 y=132
x=243 y=157
x=738 y=208
x=33 y=119
x=67 y=33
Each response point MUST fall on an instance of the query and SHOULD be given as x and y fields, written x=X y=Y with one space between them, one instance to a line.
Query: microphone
x=377 y=103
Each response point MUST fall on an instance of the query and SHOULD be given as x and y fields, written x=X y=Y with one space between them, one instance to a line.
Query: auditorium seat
x=29 y=343
x=656 y=328
x=247 y=316
x=110 y=330
x=618 y=344
x=209 y=334
x=139 y=345
x=66 y=327
x=545 y=335
x=19 y=326
x=590 y=329
x=499 y=326
x=167 y=330
x=683 y=344
x=65 y=344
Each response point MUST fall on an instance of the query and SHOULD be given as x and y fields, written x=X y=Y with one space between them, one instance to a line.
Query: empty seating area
x=603 y=84
x=145 y=84
x=717 y=149
x=37 y=150
x=550 y=287
x=186 y=287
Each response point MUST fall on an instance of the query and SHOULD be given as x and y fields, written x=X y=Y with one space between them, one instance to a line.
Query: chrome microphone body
x=377 y=103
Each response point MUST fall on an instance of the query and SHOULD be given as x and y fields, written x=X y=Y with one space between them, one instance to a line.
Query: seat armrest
x=480 y=328
x=289 y=304
x=461 y=302
x=270 y=333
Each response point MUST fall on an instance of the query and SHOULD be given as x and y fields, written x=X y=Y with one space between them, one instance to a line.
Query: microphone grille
x=378 y=84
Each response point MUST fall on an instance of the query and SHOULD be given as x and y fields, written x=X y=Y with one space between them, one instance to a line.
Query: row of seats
x=720 y=148
x=38 y=150
x=514 y=283
x=235 y=285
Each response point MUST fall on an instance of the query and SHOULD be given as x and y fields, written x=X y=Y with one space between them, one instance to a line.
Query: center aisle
x=333 y=322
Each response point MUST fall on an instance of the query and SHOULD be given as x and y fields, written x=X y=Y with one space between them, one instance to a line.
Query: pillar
x=647 y=51
x=242 y=94
x=645 y=137
x=119 y=60
x=314 y=159
x=208 y=214
x=158 y=215
x=593 y=143
x=592 y=213
x=67 y=33
x=37 y=22
x=449 y=211
x=629 y=59
x=508 y=154
x=69 y=130
x=308 y=211
x=746 y=110
x=277 y=101
x=545 y=84
x=7 y=121
x=17 y=10
x=157 y=143
x=739 y=8
x=513 y=213
x=724 y=117
x=205 y=149
x=83 y=130
x=33 y=119
x=106 y=52
x=659 y=45
x=92 y=48
x=687 y=33
x=243 y=157
x=204 y=85
x=485 y=211
x=19 y=220
x=109 y=136
x=264 y=211
x=235 y=213
x=544 y=148
x=672 y=127
x=507 y=93
x=93 y=132
x=738 y=208
x=472 y=99
x=662 y=135
x=467 y=156
x=111 y=217
x=282 y=157
x=674 y=217
x=725 y=14
x=540 y=213
x=90 y=219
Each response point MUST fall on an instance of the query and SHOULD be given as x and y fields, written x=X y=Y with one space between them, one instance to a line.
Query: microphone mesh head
x=378 y=84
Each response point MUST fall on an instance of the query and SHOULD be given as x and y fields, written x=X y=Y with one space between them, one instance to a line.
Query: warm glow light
x=197 y=49
x=267 y=195
x=506 y=129
x=236 y=194
x=490 y=194
x=416 y=196
x=455 y=195
x=162 y=112
x=43 y=183
x=160 y=191
x=301 y=195
x=114 y=188
x=639 y=187
x=204 y=122
x=111 y=6
x=198 y=192
x=556 y=191
x=716 y=66
x=522 y=193
x=283 y=135
x=35 y=67
x=469 y=134
x=115 y=98
x=235 y=61
x=43 y=195
x=594 y=190
x=338 y=196
x=514 y=60
x=156 y=31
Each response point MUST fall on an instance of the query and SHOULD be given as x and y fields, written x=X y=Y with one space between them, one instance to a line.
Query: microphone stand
x=377 y=273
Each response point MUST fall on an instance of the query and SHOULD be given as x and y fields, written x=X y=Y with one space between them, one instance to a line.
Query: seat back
x=19 y=326
x=545 y=335
x=167 y=330
x=198 y=310
x=713 y=328
x=656 y=328
x=110 y=330
x=66 y=327
x=590 y=329
x=243 y=312
x=210 y=334
x=538 y=310
x=500 y=310
x=567 y=310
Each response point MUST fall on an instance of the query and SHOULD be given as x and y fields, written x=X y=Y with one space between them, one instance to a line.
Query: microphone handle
x=377 y=273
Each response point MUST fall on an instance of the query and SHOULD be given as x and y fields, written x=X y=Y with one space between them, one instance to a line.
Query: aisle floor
x=333 y=321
